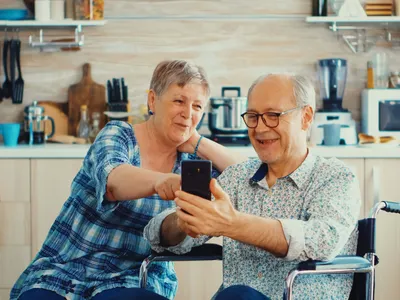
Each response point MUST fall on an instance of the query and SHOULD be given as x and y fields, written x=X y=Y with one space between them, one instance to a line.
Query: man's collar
x=299 y=176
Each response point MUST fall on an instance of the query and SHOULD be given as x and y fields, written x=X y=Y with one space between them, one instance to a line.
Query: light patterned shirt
x=318 y=206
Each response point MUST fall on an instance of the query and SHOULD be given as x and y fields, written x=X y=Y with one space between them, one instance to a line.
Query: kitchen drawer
x=15 y=224
x=14 y=180
x=13 y=261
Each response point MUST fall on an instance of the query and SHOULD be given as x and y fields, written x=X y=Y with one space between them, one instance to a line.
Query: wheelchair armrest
x=203 y=252
x=392 y=207
x=339 y=262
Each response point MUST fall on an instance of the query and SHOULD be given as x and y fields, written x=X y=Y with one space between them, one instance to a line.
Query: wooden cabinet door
x=15 y=222
x=382 y=178
x=51 y=182
x=357 y=166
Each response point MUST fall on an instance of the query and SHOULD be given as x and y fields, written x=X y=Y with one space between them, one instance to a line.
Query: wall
x=236 y=41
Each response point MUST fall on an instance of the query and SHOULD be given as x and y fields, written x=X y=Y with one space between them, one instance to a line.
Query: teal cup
x=10 y=133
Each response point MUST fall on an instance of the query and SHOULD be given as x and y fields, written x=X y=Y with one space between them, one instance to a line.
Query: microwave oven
x=380 y=110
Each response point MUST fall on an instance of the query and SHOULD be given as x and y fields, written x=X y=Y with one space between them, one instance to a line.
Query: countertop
x=79 y=151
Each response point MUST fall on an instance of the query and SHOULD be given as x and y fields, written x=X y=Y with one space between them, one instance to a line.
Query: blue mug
x=10 y=133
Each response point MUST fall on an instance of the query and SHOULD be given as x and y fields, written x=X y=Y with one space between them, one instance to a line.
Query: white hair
x=303 y=89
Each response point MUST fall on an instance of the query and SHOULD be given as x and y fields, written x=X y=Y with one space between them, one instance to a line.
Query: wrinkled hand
x=167 y=185
x=190 y=144
x=198 y=216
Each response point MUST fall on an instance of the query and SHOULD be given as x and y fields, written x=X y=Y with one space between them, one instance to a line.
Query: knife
x=124 y=91
x=109 y=92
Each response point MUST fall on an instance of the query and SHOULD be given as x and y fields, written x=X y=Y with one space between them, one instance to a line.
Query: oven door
x=389 y=116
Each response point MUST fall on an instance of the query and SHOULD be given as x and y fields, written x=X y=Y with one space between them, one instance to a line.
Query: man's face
x=279 y=144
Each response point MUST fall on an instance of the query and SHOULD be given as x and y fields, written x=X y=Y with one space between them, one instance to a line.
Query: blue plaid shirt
x=94 y=244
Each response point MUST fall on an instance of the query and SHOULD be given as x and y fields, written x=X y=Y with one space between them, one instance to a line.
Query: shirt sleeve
x=152 y=234
x=333 y=215
x=110 y=149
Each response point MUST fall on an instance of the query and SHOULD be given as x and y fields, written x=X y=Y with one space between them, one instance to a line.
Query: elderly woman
x=95 y=246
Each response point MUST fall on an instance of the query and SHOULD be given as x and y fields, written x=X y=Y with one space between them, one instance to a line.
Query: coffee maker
x=224 y=120
x=332 y=74
x=34 y=124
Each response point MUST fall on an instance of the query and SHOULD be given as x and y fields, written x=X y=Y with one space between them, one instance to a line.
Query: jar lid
x=396 y=73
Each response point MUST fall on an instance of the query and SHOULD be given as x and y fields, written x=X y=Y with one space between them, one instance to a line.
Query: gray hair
x=178 y=72
x=303 y=89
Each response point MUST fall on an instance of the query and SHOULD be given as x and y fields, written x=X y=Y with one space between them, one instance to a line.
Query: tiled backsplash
x=235 y=41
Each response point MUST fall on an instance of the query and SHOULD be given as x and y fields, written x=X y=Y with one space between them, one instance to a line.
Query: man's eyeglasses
x=270 y=119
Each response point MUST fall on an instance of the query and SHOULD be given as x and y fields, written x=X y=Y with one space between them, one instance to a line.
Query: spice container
x=97 y=9
x=89 y=9
x=82 y=9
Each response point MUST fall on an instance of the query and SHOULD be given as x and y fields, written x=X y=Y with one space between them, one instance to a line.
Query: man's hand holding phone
x=199 y=217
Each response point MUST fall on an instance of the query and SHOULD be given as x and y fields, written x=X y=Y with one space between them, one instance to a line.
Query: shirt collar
x=300 y=176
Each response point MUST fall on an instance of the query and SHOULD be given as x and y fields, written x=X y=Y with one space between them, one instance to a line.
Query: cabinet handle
x=375 y=185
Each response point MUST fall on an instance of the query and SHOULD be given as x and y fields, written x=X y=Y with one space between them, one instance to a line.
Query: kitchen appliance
x=380 y=110
x=34 y=124
x=224 y=120
x=332 y=74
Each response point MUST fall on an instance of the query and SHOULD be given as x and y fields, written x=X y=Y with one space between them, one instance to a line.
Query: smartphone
x=196 y=177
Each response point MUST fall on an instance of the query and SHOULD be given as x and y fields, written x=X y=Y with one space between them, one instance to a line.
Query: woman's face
x=178 y=111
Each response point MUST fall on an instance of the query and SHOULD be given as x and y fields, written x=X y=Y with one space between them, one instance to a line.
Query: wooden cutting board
x=56 y=111
x=86 y=92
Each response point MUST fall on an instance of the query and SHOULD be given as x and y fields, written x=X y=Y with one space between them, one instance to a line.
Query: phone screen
x=196 y=177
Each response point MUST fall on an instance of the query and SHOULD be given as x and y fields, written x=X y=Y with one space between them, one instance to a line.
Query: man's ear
x=308 y=116
x=151 y=99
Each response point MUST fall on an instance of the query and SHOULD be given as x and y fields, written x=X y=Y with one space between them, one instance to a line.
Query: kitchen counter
x=79 y=151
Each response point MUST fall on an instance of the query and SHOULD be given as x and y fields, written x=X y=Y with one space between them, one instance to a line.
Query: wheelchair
x=362 y=265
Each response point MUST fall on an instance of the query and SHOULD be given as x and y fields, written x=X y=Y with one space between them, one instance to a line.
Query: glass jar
x=394 y=81
x=82 y=9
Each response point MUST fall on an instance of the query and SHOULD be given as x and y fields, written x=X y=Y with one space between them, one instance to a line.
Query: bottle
x=95 y=126
x=370 y=75
x=319 y=8
x=84 y=127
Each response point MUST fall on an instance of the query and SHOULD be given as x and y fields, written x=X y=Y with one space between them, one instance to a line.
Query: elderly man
x=285 y=207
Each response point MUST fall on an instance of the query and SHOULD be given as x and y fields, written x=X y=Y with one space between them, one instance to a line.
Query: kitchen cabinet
x=382 y=176
x=15 y=222
x=51 y=181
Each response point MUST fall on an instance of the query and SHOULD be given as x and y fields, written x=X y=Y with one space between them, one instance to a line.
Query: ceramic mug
x=10 y=133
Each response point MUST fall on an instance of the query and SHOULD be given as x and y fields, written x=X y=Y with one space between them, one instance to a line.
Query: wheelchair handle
x=392 y=207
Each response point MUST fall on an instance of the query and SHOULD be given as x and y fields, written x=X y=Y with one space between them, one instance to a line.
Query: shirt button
x=259 y=275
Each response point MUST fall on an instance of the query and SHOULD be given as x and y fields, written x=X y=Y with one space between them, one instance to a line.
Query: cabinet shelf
x=76 y=41
x=362 y=33
x=52 y=23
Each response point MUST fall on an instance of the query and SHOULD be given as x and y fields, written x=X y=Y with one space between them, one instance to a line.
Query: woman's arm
x=220 y=156
x=127 y=182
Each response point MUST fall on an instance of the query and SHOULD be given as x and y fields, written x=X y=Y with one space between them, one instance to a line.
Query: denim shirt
x=318 y=206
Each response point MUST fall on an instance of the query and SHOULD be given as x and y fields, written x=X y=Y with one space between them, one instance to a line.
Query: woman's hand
x=167 y=185
x=190 y=144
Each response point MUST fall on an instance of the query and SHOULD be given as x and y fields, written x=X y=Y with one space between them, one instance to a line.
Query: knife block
x=119 y=107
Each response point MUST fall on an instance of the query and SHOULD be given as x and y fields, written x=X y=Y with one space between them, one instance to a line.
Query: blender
x=332 y=74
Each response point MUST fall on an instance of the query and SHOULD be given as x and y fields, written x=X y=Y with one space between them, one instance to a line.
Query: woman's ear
x=308 y=116
x=151 y=98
